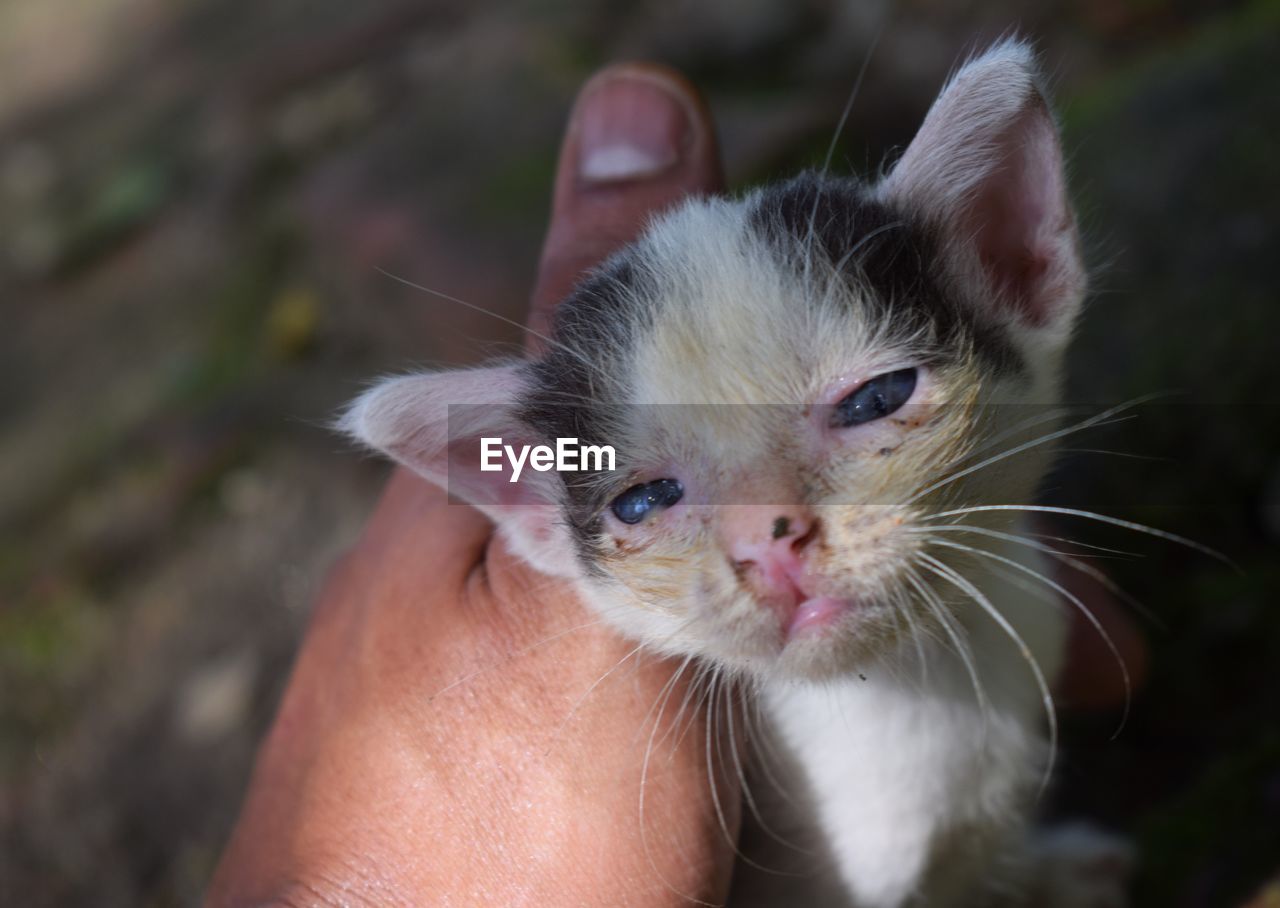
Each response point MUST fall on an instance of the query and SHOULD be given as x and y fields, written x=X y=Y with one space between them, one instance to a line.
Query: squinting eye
x=633 y=505
x=876 y=398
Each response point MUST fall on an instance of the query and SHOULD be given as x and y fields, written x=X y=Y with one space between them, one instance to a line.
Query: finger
x=639 y=139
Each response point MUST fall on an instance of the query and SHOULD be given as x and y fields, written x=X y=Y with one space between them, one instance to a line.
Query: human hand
x=443 y=737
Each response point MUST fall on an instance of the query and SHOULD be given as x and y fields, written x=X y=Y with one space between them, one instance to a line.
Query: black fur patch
x=574 y=389
x=883 y=249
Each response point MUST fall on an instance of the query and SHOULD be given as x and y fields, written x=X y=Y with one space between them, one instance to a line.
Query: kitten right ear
x=433 y=424
x=986 y=170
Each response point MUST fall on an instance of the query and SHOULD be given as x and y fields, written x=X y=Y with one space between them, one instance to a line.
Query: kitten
x=807 y=389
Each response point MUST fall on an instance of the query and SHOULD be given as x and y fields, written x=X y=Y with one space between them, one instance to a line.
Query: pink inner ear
x=1020 y=222
x=986 y=169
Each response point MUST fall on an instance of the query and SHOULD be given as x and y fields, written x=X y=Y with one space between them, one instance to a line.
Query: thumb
x=639 y=139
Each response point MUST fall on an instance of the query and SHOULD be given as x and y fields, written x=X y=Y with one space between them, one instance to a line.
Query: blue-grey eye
x=874 y=399
x=634 y=505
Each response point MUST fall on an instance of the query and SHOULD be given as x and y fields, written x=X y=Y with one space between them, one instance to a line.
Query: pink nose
x=767 y=543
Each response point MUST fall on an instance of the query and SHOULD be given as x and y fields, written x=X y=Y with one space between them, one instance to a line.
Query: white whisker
x=550 y=341
x=1080 y=606
x=587 y=693
x=717 y=680
x=762 y=744
x=963 y=650
x=1051 y=714
x=831 y=150
x=644 y=774
x=1018 y=428
x=1090 y=515
x=1107 y=417
x=1131 y=456
x=1066 y=558
x=917 y=637
x=748 y=797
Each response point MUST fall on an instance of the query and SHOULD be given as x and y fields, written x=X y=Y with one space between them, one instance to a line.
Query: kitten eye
x=876 y=398
x=633 y=505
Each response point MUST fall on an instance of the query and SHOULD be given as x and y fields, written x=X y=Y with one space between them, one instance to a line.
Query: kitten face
x=783 y=532
x=794 y=383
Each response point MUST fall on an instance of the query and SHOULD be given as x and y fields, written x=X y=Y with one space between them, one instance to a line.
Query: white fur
x=922 y=796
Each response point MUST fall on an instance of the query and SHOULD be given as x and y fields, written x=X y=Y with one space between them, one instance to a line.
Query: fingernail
x=630 y=127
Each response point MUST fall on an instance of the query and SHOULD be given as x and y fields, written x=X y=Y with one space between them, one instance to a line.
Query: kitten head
x=792 y=383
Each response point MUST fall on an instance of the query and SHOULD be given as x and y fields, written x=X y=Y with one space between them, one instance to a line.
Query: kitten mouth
x=815 y=614
x=801 y=608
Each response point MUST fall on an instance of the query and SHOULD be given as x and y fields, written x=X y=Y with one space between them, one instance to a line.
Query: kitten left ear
x=986 y=170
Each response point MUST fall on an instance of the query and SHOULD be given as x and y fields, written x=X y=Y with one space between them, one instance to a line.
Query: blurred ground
x=194 y=200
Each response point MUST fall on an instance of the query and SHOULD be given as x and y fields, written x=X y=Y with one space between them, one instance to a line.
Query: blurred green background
x=195 y=198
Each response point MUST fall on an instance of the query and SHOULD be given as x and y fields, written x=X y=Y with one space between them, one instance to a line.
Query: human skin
x=458 y=729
